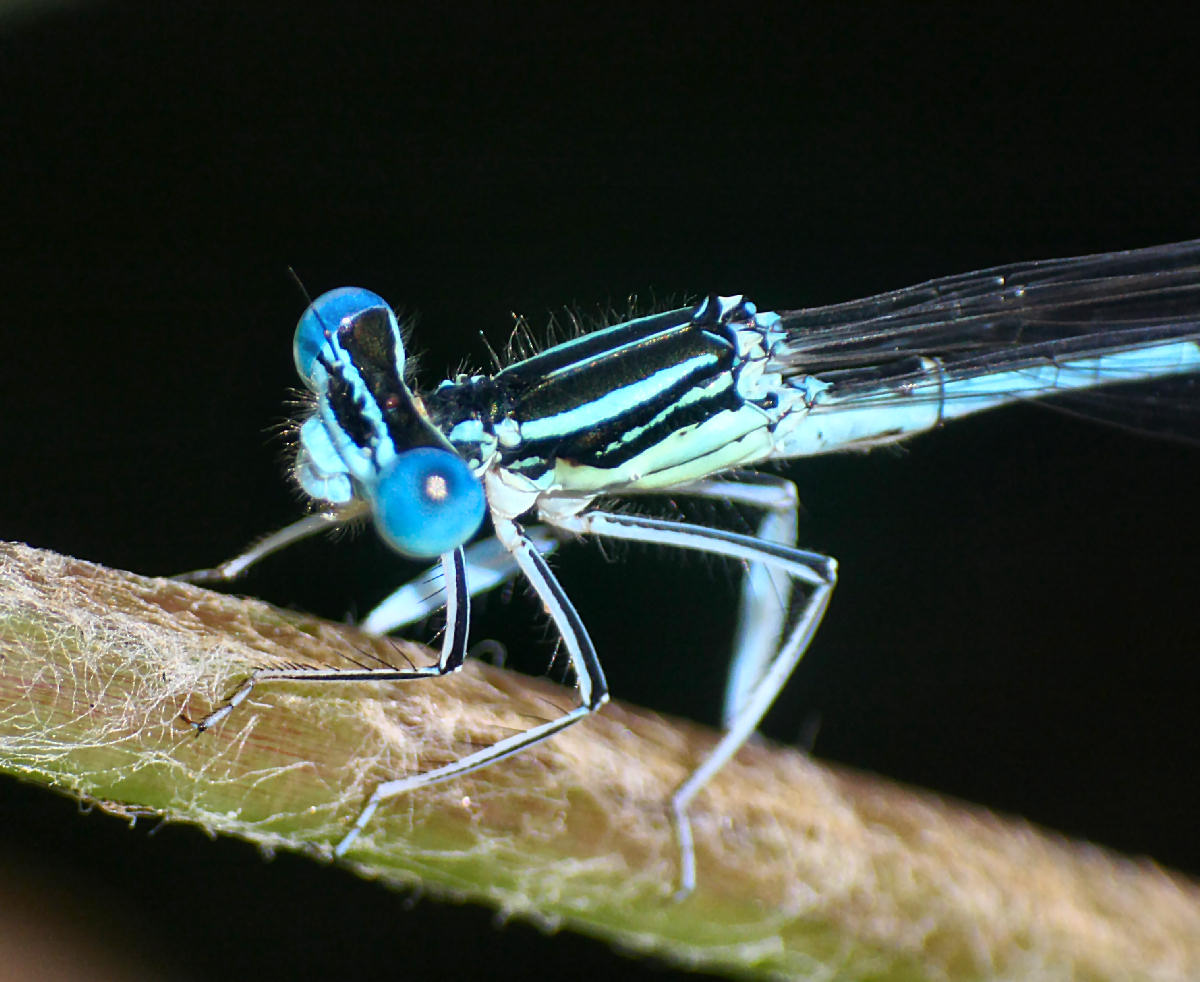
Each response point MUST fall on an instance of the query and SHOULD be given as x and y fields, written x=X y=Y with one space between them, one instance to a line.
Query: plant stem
x=805 y=869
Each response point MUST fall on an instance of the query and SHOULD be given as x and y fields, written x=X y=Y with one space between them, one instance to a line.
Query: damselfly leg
x=589 y=680
x=454 y=649
x=486 y=564
x=305 y=528
x=816 y=571
x=766 y=590
x=489 y=564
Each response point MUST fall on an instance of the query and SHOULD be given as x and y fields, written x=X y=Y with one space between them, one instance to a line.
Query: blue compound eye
x=322 y=318
x=427 y=502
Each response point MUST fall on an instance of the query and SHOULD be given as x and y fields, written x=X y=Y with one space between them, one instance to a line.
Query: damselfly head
x=369 y=436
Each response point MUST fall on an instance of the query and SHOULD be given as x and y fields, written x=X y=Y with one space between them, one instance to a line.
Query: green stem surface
x=805 y=870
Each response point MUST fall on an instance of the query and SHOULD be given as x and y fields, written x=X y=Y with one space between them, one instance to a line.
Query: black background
x=1015 y=623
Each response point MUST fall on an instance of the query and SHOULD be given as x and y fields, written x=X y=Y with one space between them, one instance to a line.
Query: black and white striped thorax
x=637 y=405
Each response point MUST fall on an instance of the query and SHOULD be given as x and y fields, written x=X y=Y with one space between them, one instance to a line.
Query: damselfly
x=685 y=403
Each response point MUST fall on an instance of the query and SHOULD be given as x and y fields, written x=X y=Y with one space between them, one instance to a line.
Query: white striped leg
x=309 y=526
x=454 y=650
x=816 y=571
x=589 y=678
x=488 y=565
x=766 y=590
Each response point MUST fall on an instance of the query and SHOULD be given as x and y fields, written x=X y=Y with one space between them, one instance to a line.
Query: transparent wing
x=1010 y=317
